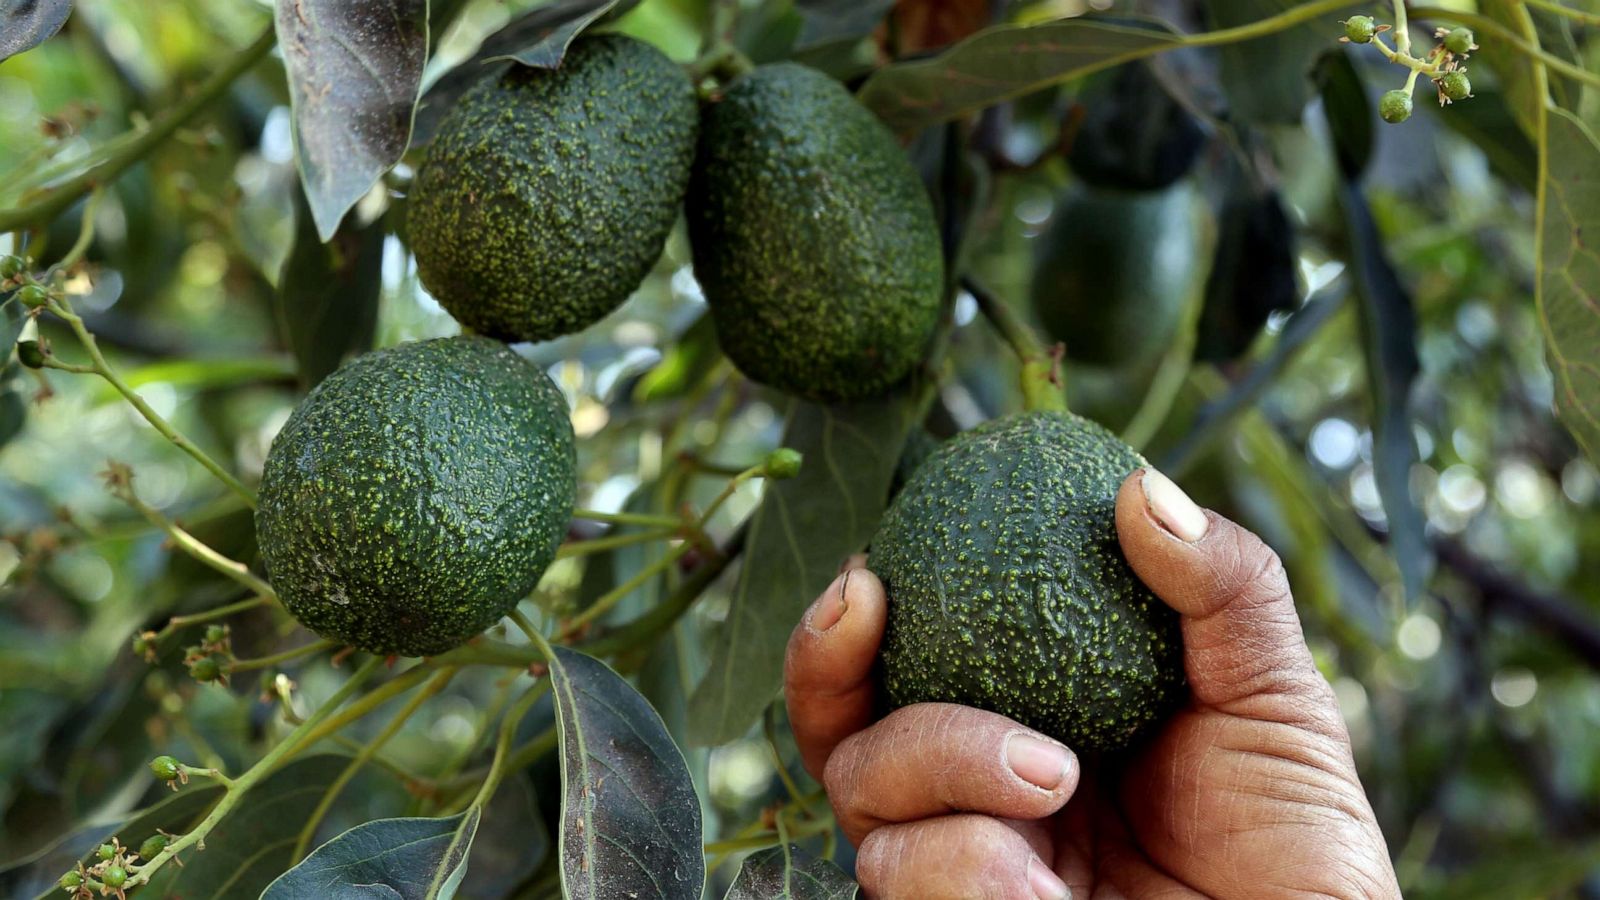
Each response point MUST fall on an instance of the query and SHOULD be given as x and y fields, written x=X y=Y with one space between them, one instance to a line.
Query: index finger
x=827 y=679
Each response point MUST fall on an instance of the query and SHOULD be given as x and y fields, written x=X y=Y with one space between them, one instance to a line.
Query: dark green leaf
x=1000 y=63
x=512 y=842
x=1513 y=66
x=1489 y=123
x=683 y=365
x=13 y=413
x=1265 y=78
x=389 y=859
x=534 y=35
x=803 y=530
x=251 y=845
x=11 y=322
x=1569 y=275
x=790 y=873
x=354 y=70
x=1349 y=113
x=630 y=820
x=25 y=24
x=1389 y=338
x=328 y=293
x=548 y=50
x=834 y=21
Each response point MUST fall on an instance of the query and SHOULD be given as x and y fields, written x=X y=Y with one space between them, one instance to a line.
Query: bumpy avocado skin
x=1114 y=270
x=417 y=494
x=1008 y=590
x=813 y=237
x=548 y=194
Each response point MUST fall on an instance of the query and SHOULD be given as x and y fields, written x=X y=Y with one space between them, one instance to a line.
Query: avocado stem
x=1042 y=382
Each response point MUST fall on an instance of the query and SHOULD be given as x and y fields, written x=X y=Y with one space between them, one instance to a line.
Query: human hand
x=1248 y=791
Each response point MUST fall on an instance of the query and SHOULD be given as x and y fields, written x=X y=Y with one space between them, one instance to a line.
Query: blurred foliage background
x=1474 y=706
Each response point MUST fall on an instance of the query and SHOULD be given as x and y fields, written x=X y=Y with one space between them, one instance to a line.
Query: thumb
x=1244 y=651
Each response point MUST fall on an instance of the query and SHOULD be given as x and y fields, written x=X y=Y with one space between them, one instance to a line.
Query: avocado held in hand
x=548 y=194
x=417 y=494
x=813 y=237
x=1008 y=590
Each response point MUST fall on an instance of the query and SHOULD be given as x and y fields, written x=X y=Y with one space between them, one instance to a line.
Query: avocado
x=1008 y=590
x=1133 y=134
x=548 y=194
x=814 y=239
x=417 y=494
x=1115 y=270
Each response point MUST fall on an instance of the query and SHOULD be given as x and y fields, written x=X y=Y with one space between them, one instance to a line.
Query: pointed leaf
x=1349 y=113
x=1389 y=336
x=389 y=859
x=1569 y=275
x=25 y=24
x=790 y=873
x=354 y=71
x=328 y=294
x=535 y=34
x=630 y=820
x=1000 y=63
x=803 y=529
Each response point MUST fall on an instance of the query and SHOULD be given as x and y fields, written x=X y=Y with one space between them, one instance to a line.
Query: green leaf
x=1389 y=337
x=837 y=21
x=630 y=820
x=534 y=35
x=13 y=414
x=25 y=24
x=1517 y=77
x=790 y=873
x=690 y=357
x=1000 y=63
x=547 y=51
x=327 y=299
x=1349 y=113
x=805 y=527
x=209 y=374
x=1569 y=275
x=354 y=71
x=1265 y=78
x=512 y=841
x=402 y=859
x=251 y=845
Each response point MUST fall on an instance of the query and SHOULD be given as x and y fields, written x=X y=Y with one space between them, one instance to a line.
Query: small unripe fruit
x=11 y=267
x=1455 y=85
x=165 y=768
x=215 y=634
x=114 y=876
x=1459 y=41
x=152 y=846
x=1360 y=29
x=106 y=851
x=30 y=354
x=205 y=668
x=33 y=295
x=783 y=463
x=1395 y=106
x=70 y=881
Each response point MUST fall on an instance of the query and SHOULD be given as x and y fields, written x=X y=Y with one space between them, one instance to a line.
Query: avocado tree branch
x=60 y=197
x=121 y=481
x=1485 y=25
x=1561 y=617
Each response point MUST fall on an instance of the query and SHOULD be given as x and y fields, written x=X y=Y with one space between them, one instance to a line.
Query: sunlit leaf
x=790 y=873
x=1569 y=275
x=328 y=294
x=209 y=373
x=805 y=527
x=1000 y=63
x=388 y=859
x=630 y=821
x=25 y=24
x=354 y=71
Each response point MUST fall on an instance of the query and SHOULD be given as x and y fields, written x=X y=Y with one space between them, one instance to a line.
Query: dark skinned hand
x=1248 y=791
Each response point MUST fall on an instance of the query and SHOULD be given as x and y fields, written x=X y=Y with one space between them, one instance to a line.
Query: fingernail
x=1173 y=508
x=1037 y=762
x=1046 y=884
x=830 y=607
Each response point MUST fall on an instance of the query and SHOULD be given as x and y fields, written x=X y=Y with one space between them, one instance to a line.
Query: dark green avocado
x=1116 y=269
x=548 y=194
x=813 y=238
x=1008 y=590
x=417 y=494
